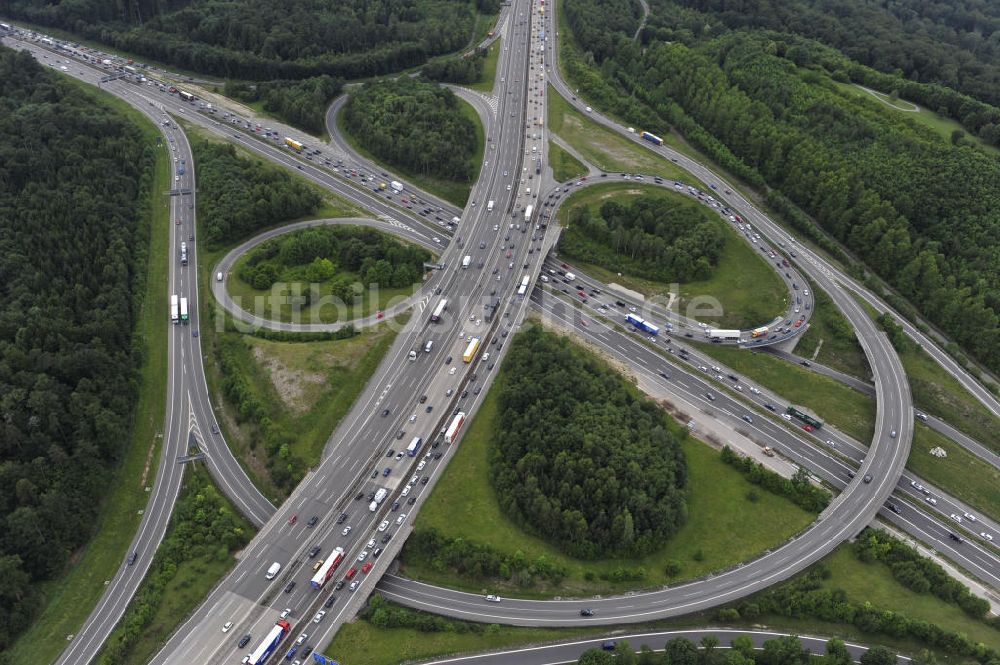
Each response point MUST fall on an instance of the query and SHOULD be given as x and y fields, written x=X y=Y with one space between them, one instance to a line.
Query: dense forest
x=667 y=238
x=461 y=69
x=922 y=213
x=414 y=125
x=242 y=195
x=73 y=235
x=322 y=255
x=580 y=458
x=954 y=43
x=302 y=104
x=263 y=40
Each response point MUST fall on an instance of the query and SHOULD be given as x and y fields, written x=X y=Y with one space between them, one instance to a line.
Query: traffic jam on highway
x=384 y=504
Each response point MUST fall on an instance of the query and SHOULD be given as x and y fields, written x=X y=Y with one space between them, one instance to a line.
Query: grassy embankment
x=748 y=289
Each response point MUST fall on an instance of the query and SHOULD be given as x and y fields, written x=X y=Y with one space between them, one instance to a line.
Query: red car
x=365 y=568
x=509 y=254
x=293 y=519
x=351 y=573
x=178 y=222
x=807 y=428
x=380 y=315
x=798 y=323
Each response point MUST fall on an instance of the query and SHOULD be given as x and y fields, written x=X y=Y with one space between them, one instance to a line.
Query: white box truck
x=489 y=206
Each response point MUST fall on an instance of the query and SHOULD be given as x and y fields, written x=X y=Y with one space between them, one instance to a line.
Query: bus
x=652 y=138
x=327 y=569
x=293 y=144
x=270 y=643
x=174 y=311
x=186 y=96
x=184 y=310
x=439 y=310
x=804 y=417
x=470 y=351
x=759 y=332
x=521 y=290
x=642 y=324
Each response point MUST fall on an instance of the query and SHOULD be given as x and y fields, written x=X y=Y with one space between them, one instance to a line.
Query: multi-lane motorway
x=358 y=447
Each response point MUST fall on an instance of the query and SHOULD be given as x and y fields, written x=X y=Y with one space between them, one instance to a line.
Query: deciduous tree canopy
x=660 y=237
x=263 y=40
x=415 y=125
x=300 y=103
x=73 y=177
x=240 y=195
x=580 y=458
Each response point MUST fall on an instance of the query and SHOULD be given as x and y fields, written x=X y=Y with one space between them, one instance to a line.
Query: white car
x=436 y=239
x=363 y=555
x=399 y=520
x=301 y=638
x=384 y=525
x=319 y=616
x=931 y=500
x=786 y=416
x=371 y=543
x=225 y=628
x=969 y=516
x=413 y=418
x=450 y=371
x=956 y=518
x=423 y=463
x=493 y=598
x=346 y=531
x=986 y=536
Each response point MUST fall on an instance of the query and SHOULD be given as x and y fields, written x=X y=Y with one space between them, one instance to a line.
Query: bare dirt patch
x=290 y=384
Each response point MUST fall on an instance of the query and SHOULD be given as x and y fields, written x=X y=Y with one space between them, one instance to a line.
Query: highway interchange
x=248 y=599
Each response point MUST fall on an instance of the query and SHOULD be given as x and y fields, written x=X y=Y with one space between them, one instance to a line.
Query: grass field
x=940 y=125
x=69 y=599
x=723 y=527
x=564 y=165
x=489 y=68
x=604 y=148
x=834 y=336
x=263 y=303
x=451 y=191
x=748 y=289
x=961 y=474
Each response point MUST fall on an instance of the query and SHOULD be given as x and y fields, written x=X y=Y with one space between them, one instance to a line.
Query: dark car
x=423 y=481
x=587 y=612
x=386 y=538
x=132 y=557
x=313 y=521
x=342 y=518
x=423 y=398
x=359 y=496
x=399 y=434
x=289 y=587
x=609 y=645
x=339 y=586
x=314 y=551
x=429 y=408
x=386 y=471
x=955 y=537
x=329 y=602
x=390 y=452
x=894 y=508
x=244 y=640
x=385 y=412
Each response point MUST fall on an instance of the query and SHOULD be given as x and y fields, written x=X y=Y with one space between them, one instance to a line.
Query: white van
x=218 y=277
x=489 y=206
x=428 y=346
x=272 y=572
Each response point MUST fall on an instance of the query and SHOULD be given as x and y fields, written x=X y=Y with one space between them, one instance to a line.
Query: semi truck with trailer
x=184 y=310
x=729 y=335
x=527 y=213
x=175 y=315
x=642 y=324
x=293 y=144
x=270 y=642
x=453 y=429
x=327 y=569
